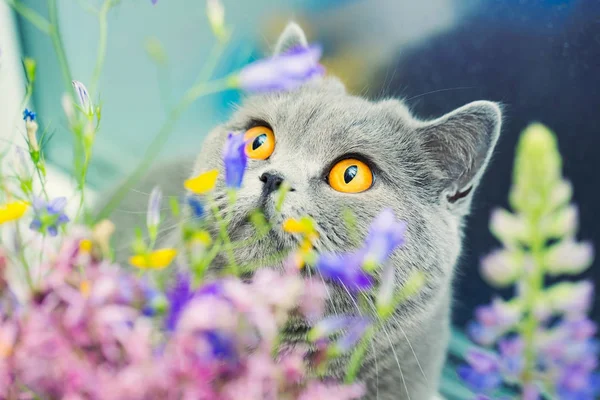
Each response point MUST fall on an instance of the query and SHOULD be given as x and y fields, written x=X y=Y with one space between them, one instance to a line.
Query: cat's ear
x=292 y=36
x=460 y=145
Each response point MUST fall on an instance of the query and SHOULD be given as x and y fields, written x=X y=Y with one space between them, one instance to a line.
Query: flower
x=235 y=159
x=571 y=298
x=12 y=211
x=84 y=98
x=507 y=227
x=305 y=227
x=203 y=183
x=31 y=127
x=153 y=215
x=282 y=72
x=354 y=333
x=28 y=115
x=385 y=235
x=569 y=257
x=501 y=267
x=483 y=372
x=178 y=296
x=196 y=206
x=345 y=269
x=49 y=215
x=157 y=259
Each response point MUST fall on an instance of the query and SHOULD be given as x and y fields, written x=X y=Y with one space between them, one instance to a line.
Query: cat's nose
x=271 y=182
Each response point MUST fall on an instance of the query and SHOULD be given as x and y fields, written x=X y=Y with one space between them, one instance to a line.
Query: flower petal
x=202 y=183
x=12 y=211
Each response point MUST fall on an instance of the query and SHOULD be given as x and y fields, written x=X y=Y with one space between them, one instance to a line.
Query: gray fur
x=419 y=166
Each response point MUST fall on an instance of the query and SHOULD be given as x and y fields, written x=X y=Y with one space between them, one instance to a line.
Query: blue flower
x=49 y=215
x=354 y=328
x=235 y=159
x=345 y=269
x=483 y=372
x=385 y=235
x=282 y=72
x=178 y=297
x=195 y=205
x=28 y=115
x=181 y=294
x=222 y=346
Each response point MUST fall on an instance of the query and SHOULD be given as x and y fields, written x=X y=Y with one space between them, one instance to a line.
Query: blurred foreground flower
x=157 y=259
x=49 y=216
x=203 y=183
x=281 y=72
x=235 y=159
x=12 y=211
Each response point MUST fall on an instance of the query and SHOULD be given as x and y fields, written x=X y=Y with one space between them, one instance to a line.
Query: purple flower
x=483 y=372
x=49 y=215
x=578 y=383
x=355 y=332
x=282 y=72
x=385 y=235
x=223 y=347
x=235 y=160
x=28 y=115
x=511 y=353
x=178 y=297
x=345 y=269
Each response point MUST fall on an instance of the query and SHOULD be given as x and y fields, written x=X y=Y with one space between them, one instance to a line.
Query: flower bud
x=216 y=17
x=508 y=228
x=153 y=215
x=84 y=98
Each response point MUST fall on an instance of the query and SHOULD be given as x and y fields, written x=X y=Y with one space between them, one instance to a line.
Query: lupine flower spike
x=541 y=339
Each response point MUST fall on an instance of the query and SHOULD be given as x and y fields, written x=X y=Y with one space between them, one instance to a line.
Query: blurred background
x=540 y=58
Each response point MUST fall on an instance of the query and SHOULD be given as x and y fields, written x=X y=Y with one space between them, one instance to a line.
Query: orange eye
x=350 y=176
x=261 y=142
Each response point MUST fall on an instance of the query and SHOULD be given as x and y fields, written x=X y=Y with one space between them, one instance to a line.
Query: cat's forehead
x=324 y=122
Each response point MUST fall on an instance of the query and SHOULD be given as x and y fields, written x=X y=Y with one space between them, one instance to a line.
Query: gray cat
x=426 y=171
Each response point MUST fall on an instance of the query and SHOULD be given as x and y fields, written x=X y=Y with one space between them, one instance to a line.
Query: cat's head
x=342 y=152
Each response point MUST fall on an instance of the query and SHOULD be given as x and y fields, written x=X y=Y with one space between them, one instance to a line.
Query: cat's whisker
x=397 y=360
x=414 y=354
x=328 y=294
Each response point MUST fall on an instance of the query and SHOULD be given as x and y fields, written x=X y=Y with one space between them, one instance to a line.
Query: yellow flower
x=158 y=259
x=305 y=226
x=202 y=183
x=202 y=237
x=12 y=211
x=85 y=246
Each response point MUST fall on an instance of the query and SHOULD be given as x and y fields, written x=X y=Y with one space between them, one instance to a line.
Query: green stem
x=33 y=17
x=358 y=355
x=159 y=141
x=103 y=26
x=224 y=237
x=534 y=285
x=59 y=48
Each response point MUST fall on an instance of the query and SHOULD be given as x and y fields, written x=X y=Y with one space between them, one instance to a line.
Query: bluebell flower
x=222 y=347
x=235 y=159
x=282 y=72
x=196 y=206
x=28 y=115
x=178 y=297
x=49 y=215
x=345 y=269
x=351 y=269
x=385 y=235
x=181 y=294
x=483 y=372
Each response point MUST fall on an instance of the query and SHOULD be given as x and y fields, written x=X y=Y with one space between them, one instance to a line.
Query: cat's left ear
x=460 y=145
x=292 y=36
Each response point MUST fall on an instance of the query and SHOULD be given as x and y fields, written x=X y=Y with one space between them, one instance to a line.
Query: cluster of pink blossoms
x=96 y=331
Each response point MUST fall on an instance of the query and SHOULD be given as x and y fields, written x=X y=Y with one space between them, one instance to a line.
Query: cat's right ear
x=292 y=36
x=459 y=146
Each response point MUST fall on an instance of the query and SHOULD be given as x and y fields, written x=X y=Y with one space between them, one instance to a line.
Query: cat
x=425 y=171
